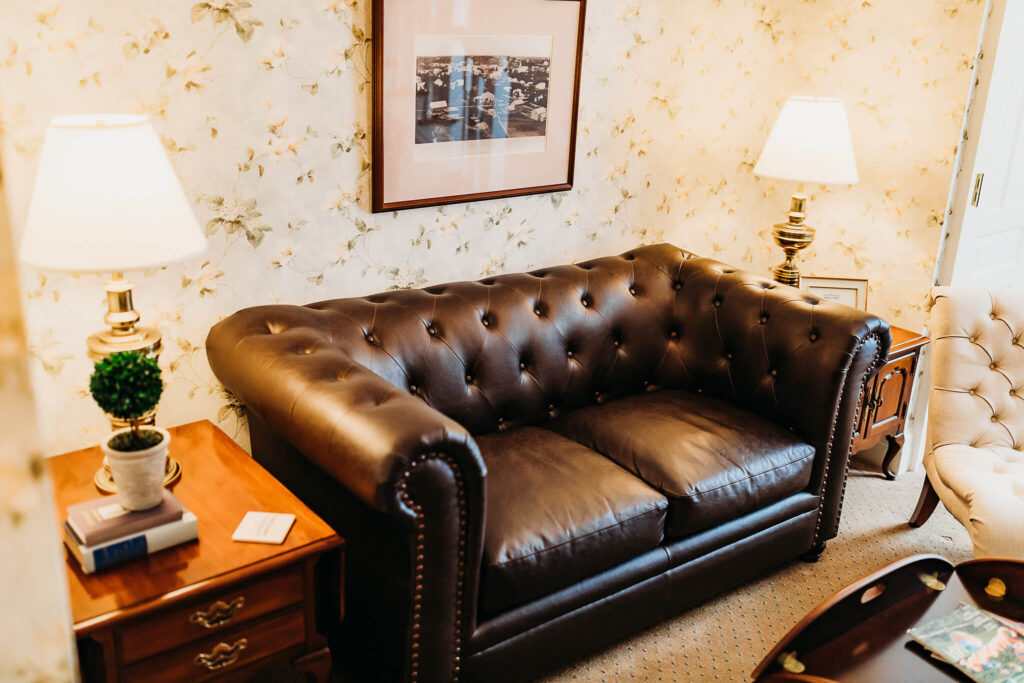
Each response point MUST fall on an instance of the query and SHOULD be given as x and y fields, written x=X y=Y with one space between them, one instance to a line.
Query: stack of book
x=100 y=533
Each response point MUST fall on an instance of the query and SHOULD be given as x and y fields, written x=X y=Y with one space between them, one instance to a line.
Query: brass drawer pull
x=218 y=614
x=223 y=655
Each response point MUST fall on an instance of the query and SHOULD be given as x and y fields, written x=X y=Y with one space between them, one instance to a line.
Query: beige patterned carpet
x=723 y=640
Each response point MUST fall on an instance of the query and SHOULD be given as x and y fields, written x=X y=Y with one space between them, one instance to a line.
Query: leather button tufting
x=764 y=319
x=673 y=334
x=413 y=388
x=469 y=379
x=585 y=301
x=995 y=419
x=522 y=366
x=728 y=356
x=370 y=339
x=992 y=366
x=972 y=339
x=774 y=373
x=993 y=316
x=431 y=331
x=972 y=392
x=485 y=321
x=814 y=337
x=632 y=290
x=616 y=343
x=537 y=311
x=569 y=354
x=677 y=286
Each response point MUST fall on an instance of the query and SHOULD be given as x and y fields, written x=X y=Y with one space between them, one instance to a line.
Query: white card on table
x=263 y=527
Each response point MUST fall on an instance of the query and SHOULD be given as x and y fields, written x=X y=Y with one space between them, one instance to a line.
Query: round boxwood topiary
x=128 y=385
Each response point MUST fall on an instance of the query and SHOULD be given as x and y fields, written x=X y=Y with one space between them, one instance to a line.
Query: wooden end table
x=211 y=607
x=860 y=634
x=883 y=411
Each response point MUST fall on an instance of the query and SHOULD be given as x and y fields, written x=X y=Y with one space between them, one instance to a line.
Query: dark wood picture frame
x=378 y=204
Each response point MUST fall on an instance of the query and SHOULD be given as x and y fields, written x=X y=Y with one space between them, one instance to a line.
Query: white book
x=102 y=555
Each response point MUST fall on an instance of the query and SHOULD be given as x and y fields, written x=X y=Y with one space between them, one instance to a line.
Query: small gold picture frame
x=852 y=292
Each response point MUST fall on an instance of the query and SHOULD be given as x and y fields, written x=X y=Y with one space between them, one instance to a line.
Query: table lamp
x=810 y=143
x=107 y=200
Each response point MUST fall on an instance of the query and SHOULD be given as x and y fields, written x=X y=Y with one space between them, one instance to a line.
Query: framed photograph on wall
x=852 y=292
x=474 y=99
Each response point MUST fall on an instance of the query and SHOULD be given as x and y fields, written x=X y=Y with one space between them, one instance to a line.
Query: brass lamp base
x=793 y=237
x=144 y=340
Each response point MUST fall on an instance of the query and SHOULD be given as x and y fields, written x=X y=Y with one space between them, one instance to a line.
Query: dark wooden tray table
x=860 y=634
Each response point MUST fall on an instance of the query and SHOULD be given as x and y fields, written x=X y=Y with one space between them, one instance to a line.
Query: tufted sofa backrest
x=977 y=361
x=522 y=348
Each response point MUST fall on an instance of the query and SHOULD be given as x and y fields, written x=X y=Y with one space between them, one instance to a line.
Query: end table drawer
x=222 y=654
x=210 y=614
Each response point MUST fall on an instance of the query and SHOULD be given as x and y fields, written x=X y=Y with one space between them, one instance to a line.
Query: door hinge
x=978 y=181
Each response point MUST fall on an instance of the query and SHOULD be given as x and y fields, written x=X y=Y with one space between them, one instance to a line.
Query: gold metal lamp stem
x=122 y=317
x=792 y=236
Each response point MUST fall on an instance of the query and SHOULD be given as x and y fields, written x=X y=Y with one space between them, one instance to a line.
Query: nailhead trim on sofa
x=417 y=590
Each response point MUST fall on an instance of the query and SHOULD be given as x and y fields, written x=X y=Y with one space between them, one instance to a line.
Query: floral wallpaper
x=264 y=109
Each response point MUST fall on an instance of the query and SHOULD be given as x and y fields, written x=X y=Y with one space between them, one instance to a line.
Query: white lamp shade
x=810 y=143
x=106 y=199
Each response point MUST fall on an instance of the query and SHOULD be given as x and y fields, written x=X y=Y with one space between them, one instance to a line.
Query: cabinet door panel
x=892 y=391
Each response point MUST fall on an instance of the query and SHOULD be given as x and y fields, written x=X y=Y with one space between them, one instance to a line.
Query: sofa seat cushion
x=714 y=461
x=558 y=512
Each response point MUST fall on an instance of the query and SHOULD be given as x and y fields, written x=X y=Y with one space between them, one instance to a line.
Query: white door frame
x=960 y=189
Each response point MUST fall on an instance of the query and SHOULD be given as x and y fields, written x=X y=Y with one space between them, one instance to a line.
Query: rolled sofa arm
x=350 y=422
x=792 y=357
x=390 y=450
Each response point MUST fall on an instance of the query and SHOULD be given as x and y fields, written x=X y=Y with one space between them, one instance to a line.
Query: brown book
x=103 y=519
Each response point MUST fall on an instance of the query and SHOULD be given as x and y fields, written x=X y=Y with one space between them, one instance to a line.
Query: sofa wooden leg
x=925 y=504
x=814 y=554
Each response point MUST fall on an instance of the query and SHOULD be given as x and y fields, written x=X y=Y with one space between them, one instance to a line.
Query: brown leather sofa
x=529 y=467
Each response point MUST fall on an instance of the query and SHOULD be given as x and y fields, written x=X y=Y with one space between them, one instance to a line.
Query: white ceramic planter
x=139 y=475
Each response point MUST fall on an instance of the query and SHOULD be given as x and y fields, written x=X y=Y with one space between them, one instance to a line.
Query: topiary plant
x=127 y=385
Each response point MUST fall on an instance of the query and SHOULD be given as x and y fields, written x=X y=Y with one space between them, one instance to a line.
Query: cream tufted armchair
x=975 y=451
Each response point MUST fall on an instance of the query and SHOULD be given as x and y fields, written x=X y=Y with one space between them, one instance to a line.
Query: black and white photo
x=481 y=97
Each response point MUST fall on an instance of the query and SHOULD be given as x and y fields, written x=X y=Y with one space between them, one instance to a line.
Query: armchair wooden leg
x=925 y=504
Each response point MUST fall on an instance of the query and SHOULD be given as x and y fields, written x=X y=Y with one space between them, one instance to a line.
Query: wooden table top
x=220 y=482
x=903 y=340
